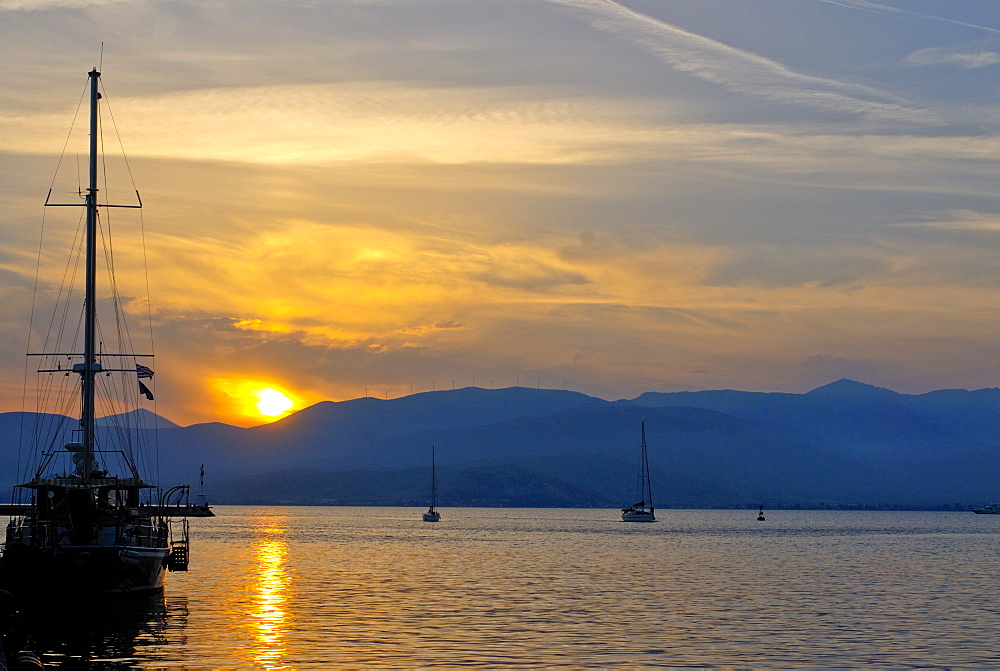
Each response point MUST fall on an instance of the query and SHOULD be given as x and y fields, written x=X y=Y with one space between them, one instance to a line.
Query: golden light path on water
x=272 y=581
x=376 y=588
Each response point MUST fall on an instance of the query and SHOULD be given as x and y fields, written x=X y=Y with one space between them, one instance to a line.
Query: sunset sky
x=611 y=197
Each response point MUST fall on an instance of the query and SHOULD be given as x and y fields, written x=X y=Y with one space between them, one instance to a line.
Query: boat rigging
x=87 y=527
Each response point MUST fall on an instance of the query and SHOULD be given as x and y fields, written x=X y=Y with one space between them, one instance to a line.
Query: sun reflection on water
x=269 y=613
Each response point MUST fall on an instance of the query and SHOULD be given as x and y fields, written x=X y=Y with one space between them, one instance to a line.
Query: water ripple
x=302 y=588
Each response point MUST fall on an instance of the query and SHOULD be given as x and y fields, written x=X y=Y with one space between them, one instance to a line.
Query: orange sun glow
x=254 y=399
x=271 y=402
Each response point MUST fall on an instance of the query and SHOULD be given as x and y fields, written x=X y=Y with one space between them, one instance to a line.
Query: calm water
x=299 y=588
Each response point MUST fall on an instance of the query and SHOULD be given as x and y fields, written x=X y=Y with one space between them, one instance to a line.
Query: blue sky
x=613 y=197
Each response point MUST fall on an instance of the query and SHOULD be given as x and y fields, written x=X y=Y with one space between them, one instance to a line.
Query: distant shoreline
x=944 y=508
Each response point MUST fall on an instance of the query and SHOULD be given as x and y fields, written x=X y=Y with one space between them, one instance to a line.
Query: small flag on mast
x=144 y=390
x=143 y=371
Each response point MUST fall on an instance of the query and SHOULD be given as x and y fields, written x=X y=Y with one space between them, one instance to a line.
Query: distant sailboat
x=433 y=515
x=642 y=511
x=760 y=515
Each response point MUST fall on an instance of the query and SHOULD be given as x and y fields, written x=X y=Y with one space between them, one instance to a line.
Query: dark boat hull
x=91 y=570
x=637 y=515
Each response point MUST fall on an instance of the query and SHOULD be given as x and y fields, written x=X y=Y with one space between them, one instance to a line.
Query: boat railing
x=175 y=497
x=37 y=533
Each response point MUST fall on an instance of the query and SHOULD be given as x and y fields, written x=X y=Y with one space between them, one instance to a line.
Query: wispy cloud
x=357 y=285
x=945 y=56
x=877 y=8
x=960 y=220
x=330 y=123
x=42 y=5
x=744 y=72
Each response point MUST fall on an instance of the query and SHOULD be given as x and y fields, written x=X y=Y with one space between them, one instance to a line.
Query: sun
x=254 y=399
x=271 y=402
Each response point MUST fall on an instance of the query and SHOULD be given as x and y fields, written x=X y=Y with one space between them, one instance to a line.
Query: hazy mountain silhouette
x=138 y=418
x=859 y=417
x=842 y=444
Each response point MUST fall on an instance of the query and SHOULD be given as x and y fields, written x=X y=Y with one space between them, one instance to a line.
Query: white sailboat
x=641 y=511
x=432 y=515
x=87 y=522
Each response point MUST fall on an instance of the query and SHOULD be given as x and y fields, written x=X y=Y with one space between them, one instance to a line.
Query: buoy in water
x=760 y=516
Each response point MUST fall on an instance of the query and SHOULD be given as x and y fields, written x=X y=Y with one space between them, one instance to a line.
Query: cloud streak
x=963 y=59
x=332 y=123
x=44 y=5
x=745 y=72
x=876 y=8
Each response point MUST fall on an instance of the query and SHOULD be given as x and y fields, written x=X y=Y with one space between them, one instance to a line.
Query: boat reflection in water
x=269 y=607
x=129 y=632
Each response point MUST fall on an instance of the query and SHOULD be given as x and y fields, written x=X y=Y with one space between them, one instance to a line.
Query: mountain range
x=845 y=444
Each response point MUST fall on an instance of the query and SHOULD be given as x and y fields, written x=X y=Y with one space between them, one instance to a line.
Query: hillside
x=844 y=444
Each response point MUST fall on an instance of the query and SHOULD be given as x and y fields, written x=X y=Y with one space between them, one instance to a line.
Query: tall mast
x=645 y=466
x=90 y=365
x=434 y=489
x=85 y=448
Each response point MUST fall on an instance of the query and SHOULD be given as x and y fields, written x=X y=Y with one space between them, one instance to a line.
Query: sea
x=340 y=587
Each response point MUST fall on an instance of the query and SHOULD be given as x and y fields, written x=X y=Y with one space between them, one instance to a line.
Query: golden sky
x=381 y=197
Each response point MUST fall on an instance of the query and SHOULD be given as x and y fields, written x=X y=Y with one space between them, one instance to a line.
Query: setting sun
x=271 y=402
x=248 y=400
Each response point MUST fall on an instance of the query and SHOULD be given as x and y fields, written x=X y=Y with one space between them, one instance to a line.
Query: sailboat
x=642 y=511
x=432 y=515
x=87 y=522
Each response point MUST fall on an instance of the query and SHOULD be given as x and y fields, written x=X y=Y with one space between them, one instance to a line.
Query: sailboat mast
x=434 y=489
x=645 y=467
x=90 y=365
